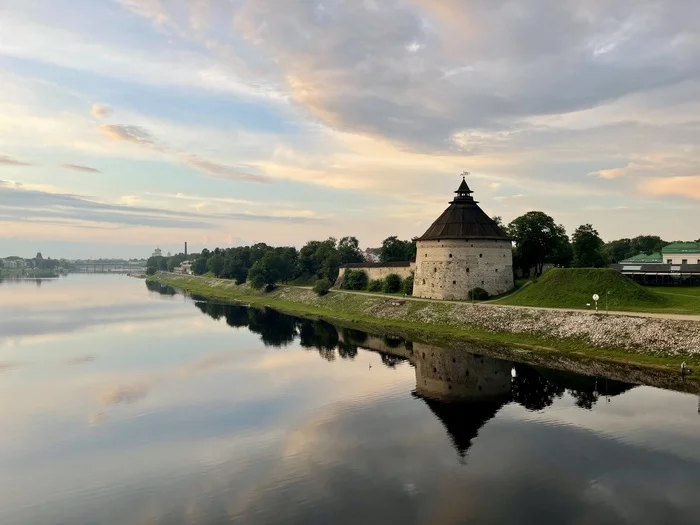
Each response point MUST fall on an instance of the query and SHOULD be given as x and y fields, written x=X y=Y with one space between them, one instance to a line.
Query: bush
x=322 y=286
x=407 y=286
x=392 y=283
x=478 y=294
x=355 y=280
x=376 y=285
x=151 y=270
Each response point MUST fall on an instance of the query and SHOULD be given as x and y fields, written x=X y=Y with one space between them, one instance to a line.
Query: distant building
x=157 y=253
x=14 y=263
x=184 y=268
x=678 y=263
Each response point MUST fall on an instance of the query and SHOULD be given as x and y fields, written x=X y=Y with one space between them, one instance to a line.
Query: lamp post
x=596 y=297
x=606 y=301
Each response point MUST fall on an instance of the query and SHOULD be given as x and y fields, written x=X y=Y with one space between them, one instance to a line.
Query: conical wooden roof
x=463 y=219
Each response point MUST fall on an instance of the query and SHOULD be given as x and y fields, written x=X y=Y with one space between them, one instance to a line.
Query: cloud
x=100 y=111
x=123 y=394
x=76 y=167
x=6 y=160
x=683 y=186
x=134 y=134
x=226 y=172
x=79 y=360
x=142 y=137
x=27 y=205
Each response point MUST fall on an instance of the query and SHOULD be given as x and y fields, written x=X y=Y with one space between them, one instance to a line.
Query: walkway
x=679 y=317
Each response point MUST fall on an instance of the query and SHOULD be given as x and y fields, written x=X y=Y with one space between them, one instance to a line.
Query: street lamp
x=596 y=297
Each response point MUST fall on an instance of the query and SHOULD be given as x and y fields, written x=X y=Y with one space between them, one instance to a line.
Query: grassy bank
x=430 y=322
x=574 y=288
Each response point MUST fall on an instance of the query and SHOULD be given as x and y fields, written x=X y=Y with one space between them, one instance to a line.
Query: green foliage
x=320 y=258
x=355 y=280
x=151 y=270
x=215 y=264
x=621 y=249
x=267 y=271
x=157 y=264
x=392 y=283
x=574 y=288
x=407 y=286
x=322 y=286
x=478 y=294
x=394 y=249
x=588 y=248
x=349 y=251
x=376 y=285
x=538 y=239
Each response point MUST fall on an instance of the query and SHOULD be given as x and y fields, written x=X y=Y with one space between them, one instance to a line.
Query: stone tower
x=462 y=250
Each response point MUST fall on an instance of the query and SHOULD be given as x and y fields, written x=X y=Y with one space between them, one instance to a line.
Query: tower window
x=435 y=270
x=496 y=270
x=450 y=256
x=482 y=282
x=481 y=255
x=467 y=270
x=454 y=282
x=423 y=281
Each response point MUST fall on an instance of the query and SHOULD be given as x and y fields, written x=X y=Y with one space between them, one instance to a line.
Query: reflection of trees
x=275 y=328
x=162 y=289
x=236 y=316
x=531 y=390
x=391 y=360
x=319 y=335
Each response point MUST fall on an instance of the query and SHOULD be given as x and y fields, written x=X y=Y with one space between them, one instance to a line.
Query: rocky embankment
x=653 y=336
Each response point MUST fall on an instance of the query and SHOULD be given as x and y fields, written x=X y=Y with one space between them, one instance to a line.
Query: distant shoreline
x=660 y=344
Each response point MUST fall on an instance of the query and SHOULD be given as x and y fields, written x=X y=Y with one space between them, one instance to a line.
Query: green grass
x=574 y=288
x=354 y=310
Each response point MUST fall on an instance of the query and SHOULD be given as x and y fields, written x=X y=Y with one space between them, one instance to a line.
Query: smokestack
x=185 y=247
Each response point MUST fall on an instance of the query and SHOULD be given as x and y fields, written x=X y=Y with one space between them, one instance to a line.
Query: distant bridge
x=98 y=267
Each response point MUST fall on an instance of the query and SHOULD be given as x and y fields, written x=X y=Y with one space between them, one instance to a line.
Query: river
x=124 y=403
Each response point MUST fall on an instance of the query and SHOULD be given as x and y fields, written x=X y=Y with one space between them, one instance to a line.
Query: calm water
x=124 y=405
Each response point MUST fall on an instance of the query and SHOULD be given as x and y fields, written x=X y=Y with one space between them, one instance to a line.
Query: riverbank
x=662 y=343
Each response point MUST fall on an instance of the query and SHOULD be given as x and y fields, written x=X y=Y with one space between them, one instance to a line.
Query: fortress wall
x=378 y=272
x=448 y=269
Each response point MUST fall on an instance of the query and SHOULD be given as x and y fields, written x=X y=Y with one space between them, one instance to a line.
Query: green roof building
x=681 y=253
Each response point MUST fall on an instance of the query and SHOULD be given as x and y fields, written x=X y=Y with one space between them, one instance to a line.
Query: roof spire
x=463 y=192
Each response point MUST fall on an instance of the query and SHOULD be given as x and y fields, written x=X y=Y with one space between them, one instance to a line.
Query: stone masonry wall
x=449 y=269
x=378 y=272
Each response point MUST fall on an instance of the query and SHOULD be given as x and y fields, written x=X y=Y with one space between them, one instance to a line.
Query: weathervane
x=464 y=174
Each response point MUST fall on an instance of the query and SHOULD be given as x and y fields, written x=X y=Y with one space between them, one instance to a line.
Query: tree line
x=537 y=240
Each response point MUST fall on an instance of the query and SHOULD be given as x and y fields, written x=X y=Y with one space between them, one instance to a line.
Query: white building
x=157 y=253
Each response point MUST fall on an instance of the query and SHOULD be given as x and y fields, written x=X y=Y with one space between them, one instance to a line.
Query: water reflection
x=463 y=390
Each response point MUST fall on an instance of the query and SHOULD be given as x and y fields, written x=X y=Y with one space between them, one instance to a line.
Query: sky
x=131 y=124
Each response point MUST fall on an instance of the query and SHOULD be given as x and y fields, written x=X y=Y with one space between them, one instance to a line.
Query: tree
x=349 y=251
x=267 y=271
x=537 y=239
x=320 y=258
x=499 y=221
x=215 y=264
x=322 y=286
x=394 y=249
x=619 y=250
x=355 y=280
x=588 y=248
x=647 y=244
x=375 y=285
x=407 y=286
x=392 y=283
